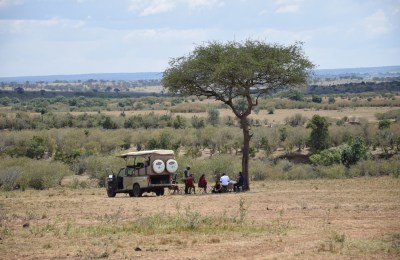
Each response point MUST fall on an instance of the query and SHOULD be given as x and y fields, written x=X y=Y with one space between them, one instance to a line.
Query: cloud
x=377 y=24
x=287 y=9
x=163 y=34
x=203 y=3
x=153 y=7
x=5 y=3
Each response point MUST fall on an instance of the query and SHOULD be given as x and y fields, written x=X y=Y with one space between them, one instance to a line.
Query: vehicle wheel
x=131 y=194
x=136 y=191
x=159 y=192
x=111 y=194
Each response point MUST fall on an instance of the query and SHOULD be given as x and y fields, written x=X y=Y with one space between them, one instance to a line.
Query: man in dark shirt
x=239 y=183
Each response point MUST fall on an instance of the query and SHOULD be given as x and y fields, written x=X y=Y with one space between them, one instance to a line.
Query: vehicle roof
x=144 y=153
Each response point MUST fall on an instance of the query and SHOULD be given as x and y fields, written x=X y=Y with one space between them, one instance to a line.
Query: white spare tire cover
x=172 y=166
x=158 y=166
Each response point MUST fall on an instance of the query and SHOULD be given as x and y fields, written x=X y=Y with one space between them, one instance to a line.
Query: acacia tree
x=238 y=74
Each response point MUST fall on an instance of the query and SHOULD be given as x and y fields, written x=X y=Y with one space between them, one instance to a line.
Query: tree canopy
x=238 y=73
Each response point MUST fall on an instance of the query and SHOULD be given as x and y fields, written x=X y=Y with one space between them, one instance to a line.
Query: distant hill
x=319 y=73
x=372 y=71
x=85 y=77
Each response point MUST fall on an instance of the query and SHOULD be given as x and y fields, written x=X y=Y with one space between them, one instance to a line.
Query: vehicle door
x=128 y=178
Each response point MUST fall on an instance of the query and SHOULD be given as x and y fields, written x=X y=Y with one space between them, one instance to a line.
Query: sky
x=57 y=37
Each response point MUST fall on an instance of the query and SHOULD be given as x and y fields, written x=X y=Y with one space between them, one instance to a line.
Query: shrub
x=327 y=157
x=331 y=172
x=355 y=151
x=99 y=167
x=8 y=178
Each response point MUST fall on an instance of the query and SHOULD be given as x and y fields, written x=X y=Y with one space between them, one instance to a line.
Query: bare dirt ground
x=310 y=219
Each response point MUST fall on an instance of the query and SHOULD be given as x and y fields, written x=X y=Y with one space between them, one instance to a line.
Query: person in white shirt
x=224 y=182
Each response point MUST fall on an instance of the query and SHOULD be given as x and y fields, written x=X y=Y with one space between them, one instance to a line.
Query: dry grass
x=324 y=219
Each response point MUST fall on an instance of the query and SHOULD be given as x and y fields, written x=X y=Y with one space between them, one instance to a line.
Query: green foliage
x=316 y=99
x=319 y=137
x=283 y=133
x=355 y=151
x=376 y=167
x=327 y=157
x=108 y=123
x=179 y=122
x=384 y=124
x=197 y=122
x=36 y=148
x=213 y=116
x=99 y=167
x=337 y=171
x=265 y=146
x=33 y=173
x=294 y=94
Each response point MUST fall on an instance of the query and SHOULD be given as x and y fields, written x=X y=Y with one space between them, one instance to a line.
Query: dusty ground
x=317 y=219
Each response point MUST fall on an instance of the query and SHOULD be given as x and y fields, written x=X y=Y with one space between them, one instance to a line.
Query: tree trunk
x=245 y=152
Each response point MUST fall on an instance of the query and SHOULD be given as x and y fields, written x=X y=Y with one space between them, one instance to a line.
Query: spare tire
x=158 y=166
x=172 y=166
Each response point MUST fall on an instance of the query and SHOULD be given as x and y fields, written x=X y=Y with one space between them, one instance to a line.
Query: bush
x=8 y=178
x=30 y=173
x=376 y=167
x=100 y=167
x=331 y=172
x=327 y=157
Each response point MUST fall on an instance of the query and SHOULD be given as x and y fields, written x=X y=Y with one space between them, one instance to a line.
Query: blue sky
x=52 y=37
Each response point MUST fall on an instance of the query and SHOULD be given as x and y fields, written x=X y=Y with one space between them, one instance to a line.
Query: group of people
x=221 y=185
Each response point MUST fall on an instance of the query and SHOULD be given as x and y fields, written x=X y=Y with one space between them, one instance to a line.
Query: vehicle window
x=130 y=172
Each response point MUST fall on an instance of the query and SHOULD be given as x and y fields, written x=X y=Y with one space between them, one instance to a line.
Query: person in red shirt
x=190 y=184
x=217 y=188
x=203 y=183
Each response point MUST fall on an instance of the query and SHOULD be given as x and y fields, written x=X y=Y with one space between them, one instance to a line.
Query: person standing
x=190 y=184
x=186 y=174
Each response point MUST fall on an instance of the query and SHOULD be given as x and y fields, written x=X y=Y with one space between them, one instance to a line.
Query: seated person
x=217 y=188
x=203 y=183
x=239 y=183
x=224 y=182
x=190 y=184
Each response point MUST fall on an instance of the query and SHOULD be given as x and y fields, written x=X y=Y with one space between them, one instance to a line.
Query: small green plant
x=242 y=210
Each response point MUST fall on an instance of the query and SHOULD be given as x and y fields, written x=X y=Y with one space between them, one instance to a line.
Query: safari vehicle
x=145 y=171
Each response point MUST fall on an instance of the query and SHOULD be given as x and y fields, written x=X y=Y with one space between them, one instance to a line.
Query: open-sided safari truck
x=145 y=171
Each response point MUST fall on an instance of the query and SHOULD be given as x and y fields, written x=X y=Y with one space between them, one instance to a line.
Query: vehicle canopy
x=147 y=153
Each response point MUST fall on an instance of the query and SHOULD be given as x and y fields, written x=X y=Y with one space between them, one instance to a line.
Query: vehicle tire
x=136 y=192
x=130 y=194
x=158 y=166
x=111 y=194
x=159 y=191
x=171 y=165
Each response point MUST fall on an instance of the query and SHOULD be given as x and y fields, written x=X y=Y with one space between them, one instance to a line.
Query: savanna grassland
x=339 y=200
x=320 y=219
